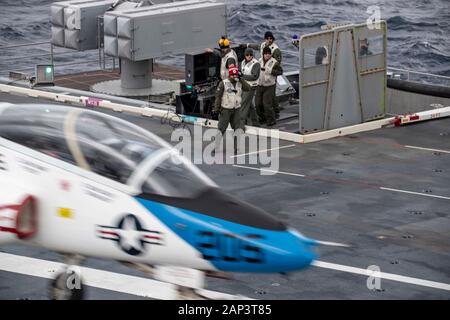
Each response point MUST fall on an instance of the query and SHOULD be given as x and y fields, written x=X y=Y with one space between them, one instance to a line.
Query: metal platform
x=107 y=82
x=84 y=80
x=384 y=192
x=113 y=87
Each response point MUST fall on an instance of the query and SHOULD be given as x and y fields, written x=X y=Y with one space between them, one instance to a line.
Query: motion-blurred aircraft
x=86 y=184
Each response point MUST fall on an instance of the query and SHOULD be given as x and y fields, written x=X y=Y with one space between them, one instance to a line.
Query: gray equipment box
x=74 y=23
x=201 y=68
x=164 y=29
x=44 y=74
x=284 y=89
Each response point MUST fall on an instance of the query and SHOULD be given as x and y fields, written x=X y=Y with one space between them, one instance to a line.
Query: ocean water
x=418 y=31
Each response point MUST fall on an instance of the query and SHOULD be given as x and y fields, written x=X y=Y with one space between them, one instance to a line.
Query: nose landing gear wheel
x=67 y=286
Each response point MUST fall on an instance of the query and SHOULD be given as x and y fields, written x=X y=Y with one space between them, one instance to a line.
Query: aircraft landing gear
x=186 y=281
x=68 y=284
x=63 y=287
x=186 y=293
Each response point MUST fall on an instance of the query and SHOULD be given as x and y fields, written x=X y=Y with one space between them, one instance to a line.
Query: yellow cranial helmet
x=224 y=42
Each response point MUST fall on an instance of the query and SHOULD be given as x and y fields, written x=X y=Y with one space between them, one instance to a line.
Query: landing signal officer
x=227 y=55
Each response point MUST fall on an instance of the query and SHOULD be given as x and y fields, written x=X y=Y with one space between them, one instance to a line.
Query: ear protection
x=224 y=42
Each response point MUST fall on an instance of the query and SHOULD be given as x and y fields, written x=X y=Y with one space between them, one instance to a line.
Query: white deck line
x=415 y=193
x=112 y=281
x=381 y=188
x=427 y=149
x=265 y=150
x=383 y=275
x=159 y=290
x=271 y=171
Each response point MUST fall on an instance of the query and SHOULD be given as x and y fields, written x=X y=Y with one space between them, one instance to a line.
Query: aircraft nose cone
x=303 y=255
x=296 y=254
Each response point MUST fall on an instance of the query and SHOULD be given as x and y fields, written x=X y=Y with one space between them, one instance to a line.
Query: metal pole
x=101 y=51
x=98 y=43
x=51 y=52
x=99 y=55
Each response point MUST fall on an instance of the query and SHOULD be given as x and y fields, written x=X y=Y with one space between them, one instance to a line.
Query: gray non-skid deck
x=339 y=198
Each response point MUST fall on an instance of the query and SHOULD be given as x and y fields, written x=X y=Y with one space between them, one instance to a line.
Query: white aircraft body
x=86 y=184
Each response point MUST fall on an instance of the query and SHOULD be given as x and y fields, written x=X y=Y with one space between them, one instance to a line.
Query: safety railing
x=395 y=73
x=47 y=53
x=291 y=66
x=410 y=75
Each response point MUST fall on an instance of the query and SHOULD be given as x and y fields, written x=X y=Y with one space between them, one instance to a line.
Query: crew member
x=265 y=92
x=364 y=47
x=226 y=54
x=228 y=101
x=295 y=41
x=250 y=69
x=321 y=55
x=269 y=42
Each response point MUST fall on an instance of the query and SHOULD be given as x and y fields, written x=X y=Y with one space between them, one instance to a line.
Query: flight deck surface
x=386 y=193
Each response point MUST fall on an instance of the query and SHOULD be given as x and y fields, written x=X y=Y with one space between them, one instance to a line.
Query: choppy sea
x=418 y=31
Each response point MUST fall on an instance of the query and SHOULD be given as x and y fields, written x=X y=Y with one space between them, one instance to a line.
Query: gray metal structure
x=136 y=33
x=342 y=77
x=74 y=23
x=154 y=31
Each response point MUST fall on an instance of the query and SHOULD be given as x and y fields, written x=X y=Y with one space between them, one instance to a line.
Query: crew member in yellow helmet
x=227 y=55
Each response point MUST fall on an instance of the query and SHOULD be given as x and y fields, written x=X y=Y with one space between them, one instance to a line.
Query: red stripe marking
x=11 y=206
x=153 y=237
x=416 y=117
x=110 y=233
x=4 y=229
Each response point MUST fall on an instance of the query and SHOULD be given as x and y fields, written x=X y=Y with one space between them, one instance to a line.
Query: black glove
x=239 y=74
x=215 y=114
